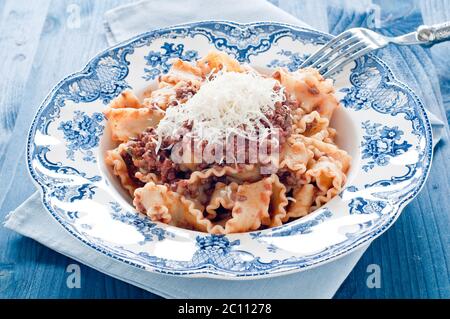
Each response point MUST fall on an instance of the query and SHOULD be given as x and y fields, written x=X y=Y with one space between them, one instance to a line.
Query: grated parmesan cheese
x=230 y=103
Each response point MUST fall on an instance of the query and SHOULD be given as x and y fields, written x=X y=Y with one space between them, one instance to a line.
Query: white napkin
x=126 y=21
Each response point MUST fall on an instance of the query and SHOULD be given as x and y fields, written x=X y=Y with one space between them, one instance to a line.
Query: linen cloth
x=32 y=220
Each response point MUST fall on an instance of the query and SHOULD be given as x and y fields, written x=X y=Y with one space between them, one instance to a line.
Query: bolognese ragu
x=221 y=148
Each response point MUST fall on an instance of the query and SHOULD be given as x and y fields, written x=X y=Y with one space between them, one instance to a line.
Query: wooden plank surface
x=413 y=255
x=21 y=25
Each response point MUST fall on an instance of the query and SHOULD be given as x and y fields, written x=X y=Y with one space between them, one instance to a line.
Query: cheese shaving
x=230 y=103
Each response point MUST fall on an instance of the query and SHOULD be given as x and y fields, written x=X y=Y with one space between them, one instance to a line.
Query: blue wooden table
x=42 y=41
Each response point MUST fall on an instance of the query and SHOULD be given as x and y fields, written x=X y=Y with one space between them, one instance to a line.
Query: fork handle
x=433 y=34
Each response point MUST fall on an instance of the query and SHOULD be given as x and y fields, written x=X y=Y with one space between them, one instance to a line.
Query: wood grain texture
x=74 y=48
x=28 y=269
x=20 y=29
x=413 y=255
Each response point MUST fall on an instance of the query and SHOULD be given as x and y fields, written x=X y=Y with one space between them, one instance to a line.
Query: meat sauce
x=144 y=155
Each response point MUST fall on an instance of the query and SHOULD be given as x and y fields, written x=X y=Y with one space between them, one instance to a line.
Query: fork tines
x=344 y=48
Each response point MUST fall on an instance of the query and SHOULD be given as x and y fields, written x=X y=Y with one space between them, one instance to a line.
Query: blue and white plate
x=382 y=124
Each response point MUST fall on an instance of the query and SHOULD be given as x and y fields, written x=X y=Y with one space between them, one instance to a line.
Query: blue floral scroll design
x=356 y=98
x=373 y=88
x=159 y=62
x=142 y=224
x=212 y=252
x=305 y=227
x=82 y=133
x=215 y=252
x=291 y=61
x=360 y=205
x=103 y=81
x=380 y=144
x=291 y=229
x=271 y=248
x=70 y=193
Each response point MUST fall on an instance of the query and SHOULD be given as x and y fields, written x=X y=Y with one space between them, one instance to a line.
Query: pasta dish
x=219 y=147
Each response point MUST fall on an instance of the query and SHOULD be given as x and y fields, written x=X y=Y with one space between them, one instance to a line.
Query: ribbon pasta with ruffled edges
x=223 y=198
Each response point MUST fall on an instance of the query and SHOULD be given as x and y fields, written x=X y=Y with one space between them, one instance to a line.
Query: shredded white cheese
x=230 y=103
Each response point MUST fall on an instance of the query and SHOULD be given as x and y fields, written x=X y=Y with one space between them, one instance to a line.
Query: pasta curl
x=171 y=182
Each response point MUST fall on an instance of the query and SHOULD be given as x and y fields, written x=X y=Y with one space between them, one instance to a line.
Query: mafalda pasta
x=221 y=148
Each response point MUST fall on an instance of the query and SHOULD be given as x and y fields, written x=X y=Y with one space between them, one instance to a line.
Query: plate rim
x=215 y=273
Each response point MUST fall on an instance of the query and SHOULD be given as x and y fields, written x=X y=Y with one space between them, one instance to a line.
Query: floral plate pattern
x=382 y=124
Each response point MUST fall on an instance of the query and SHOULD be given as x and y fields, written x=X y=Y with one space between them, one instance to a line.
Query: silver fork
x=356 y=42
